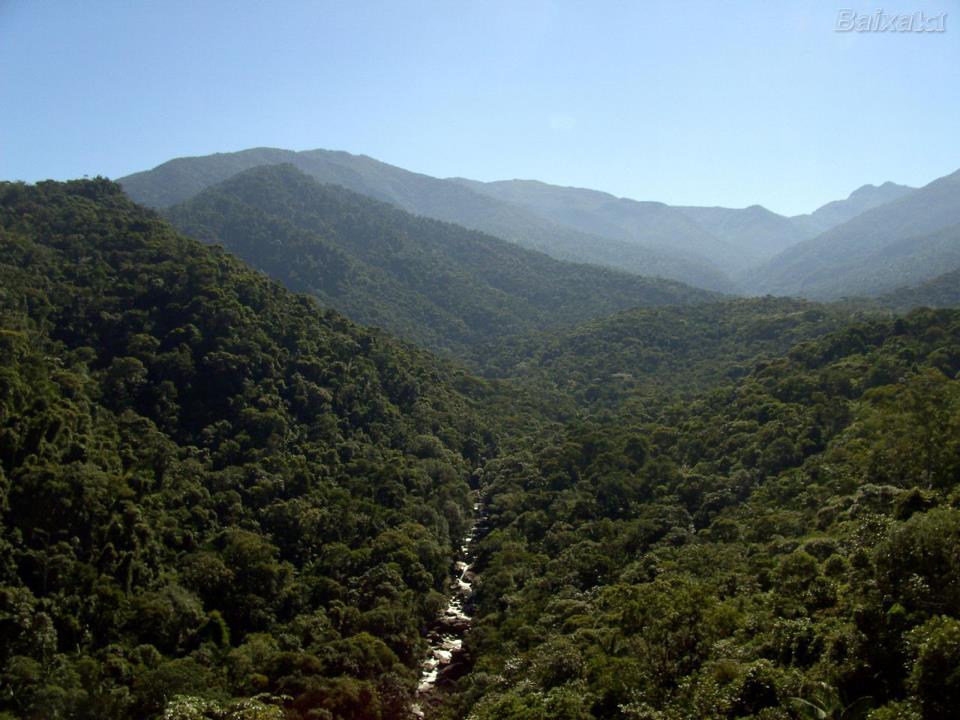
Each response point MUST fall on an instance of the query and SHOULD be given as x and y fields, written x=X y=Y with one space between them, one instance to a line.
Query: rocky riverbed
x=445 y=661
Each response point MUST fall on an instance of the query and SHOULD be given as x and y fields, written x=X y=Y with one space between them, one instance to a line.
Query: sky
x=698 y=103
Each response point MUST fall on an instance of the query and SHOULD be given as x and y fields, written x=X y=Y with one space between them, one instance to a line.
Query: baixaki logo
x=879 y=22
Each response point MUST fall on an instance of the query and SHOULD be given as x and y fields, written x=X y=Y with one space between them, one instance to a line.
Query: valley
x=537 y=489
x=544 y=360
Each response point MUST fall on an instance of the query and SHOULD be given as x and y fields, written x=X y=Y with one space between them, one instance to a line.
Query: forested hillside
x=219 y=501
x=209 y=487
x=602 y=370
x=648 y=355
x=941 y=291
x=444 y=286
x=912 y=261
x=180 y=179
x=912 y=238
x=783 y=547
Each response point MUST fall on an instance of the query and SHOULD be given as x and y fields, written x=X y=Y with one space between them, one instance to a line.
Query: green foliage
x=653 y=355
x=940 y=291
x=935 y=674
x=193 y=708
x=209 y=487
x=782 y=545
x=219 y=501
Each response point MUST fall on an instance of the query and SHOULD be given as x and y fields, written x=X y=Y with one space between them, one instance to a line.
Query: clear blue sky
x=707 y=103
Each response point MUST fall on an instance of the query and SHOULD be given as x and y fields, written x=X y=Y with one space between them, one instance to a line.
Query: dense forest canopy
x=219 y=499
x=941 y=291
x=209 y=486
x=648 y=354
x=783 y=547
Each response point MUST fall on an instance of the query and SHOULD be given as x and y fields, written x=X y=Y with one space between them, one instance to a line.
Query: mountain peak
x=870 y=190
x=866 y=197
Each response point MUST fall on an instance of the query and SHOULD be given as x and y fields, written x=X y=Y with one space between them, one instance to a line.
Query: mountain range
x=860 y=200
x=432 y=282
x=908 y=240
x=880 y=238
x=449 y=200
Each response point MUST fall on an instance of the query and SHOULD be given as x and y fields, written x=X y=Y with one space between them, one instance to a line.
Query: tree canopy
x=220 y=500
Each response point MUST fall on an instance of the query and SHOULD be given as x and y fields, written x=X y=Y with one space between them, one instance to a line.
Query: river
x=444 y=660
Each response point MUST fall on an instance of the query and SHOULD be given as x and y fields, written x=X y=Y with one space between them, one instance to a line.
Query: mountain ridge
x=865 y=197
x=749 y=250
x=181 y=178
x=442 y=285
x=846 y=248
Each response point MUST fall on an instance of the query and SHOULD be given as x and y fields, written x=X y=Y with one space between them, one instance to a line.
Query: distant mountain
x=652 y=224
x=439 y=284
x=182 y=178
x=728 y=250
x=840 y=211
x=450 y=200
x=909 y=261
x=910 y=239
x=757 y=234
x=731 y=239
x=940 y=292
